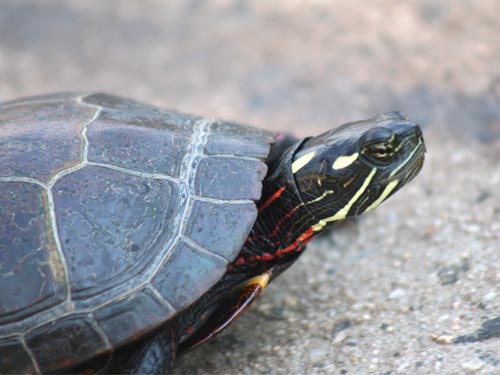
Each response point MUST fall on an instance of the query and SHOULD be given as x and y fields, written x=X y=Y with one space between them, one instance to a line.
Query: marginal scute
x=31 y=281
x=185 y=276
x=217 y=144
x=216 y=227
x=72 y=340
x=106 y=217
x=14 y=359
x=233 y=130
x=39 y=99
x=131 y=317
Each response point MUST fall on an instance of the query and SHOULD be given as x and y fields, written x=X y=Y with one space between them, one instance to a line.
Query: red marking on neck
x=276 y=227
x=297 y=245
x=301 y=241
x=272 y=198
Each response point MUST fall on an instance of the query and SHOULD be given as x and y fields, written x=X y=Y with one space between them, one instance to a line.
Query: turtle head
x=352 y=169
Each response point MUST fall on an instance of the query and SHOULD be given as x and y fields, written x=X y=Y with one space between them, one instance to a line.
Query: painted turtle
x=130 y=233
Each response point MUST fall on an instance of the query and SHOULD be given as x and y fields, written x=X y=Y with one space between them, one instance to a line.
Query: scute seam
x=154 y=176
x=28 y=180
x=221 y=200
x=83 y=133
x=201 y=249
x=23 y=101
x=103 y=336
x=30 y=354
x=231 y=156
x=50 y=197
x=159 y=297
x=69 y=307
x=187 y=175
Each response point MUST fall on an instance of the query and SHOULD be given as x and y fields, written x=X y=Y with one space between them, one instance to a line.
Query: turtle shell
x=114 y=216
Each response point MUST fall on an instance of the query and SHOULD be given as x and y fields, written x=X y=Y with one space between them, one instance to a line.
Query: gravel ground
x=413 y=287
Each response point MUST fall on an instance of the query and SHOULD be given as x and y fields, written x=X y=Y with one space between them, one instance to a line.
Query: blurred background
x=292 y=64
x=367 y=299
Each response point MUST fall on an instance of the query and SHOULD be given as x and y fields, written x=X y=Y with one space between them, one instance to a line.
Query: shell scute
x=132 y=317
x=15 y=359
x=62 y=344
x=40 y=139
x=111 y=225
x=186 y=275
x=31 y=273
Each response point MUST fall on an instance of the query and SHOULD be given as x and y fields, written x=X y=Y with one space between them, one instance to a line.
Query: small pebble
x=444 y=317
x=449 y=274
x=489 y=297
x=397 y=293
x=290 y=301
x=472 y=365
x=443 y=339
x=341 y=336
x=317 y=354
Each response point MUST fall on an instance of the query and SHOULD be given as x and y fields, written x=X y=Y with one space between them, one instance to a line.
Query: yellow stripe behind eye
x=342 y=213
x=302 y=161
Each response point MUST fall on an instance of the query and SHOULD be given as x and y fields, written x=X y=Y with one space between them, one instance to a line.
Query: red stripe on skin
x=276 y=228
x=304 y=238
x=272 y=198
x=297 y=245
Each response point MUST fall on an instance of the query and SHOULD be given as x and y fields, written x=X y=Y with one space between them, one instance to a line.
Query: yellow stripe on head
x=410 y=157
x=390 y=187
x=342 y=213
x=344 y=161
x=302 y=161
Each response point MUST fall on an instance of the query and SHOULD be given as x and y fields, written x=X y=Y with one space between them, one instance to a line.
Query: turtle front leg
x=153 y=355
x=228 y=310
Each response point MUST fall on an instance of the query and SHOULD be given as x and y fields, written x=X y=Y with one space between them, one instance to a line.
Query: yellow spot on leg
x=342 y=213
x=302 y=161
x=390 y=187
x=344 y=161
x=262 y=280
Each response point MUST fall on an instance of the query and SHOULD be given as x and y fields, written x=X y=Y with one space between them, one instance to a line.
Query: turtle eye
x=378 y=146
x=380 y=152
